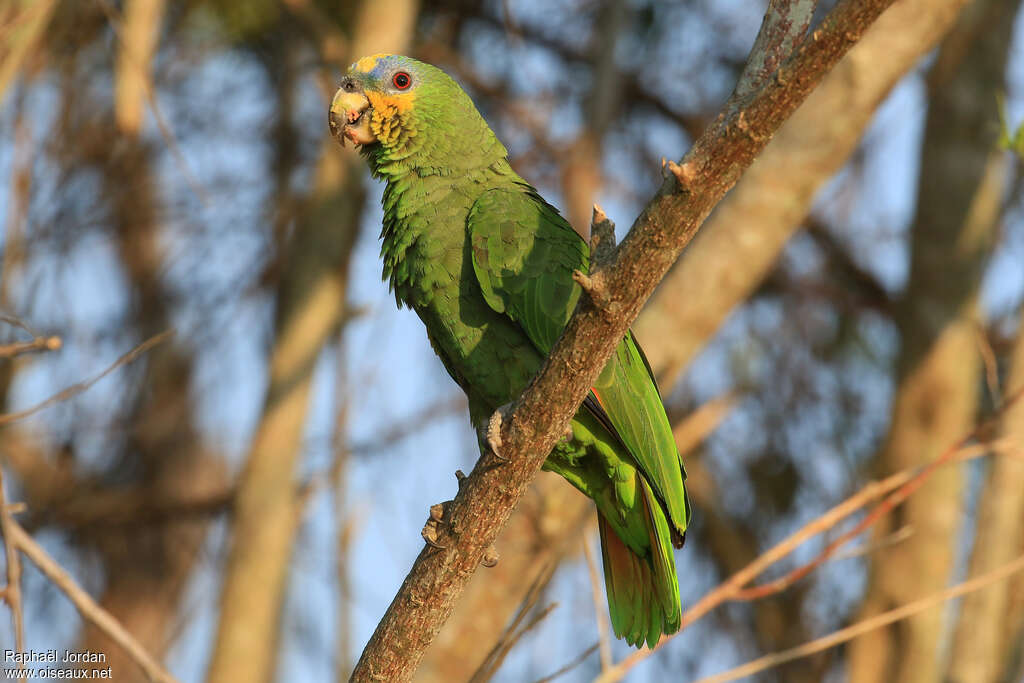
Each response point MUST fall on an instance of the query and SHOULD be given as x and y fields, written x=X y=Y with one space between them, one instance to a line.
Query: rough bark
x=545 y=528
x=959 y=197
x=310 y=304
x=617 y=290
x=765 y=209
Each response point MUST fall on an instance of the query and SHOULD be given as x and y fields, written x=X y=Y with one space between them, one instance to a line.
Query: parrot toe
x=434 y=522
x=492 y=434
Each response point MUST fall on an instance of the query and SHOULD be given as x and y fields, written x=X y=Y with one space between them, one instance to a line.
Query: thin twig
x=12 y=591
x=513 y=639
x=345 y=519
x=732 y=588
x=37 y=344
x=570 y=666
x=406 y=427
x=888 y=541
x=901 y=494
x=600 y=608
x=90 y=610
x=513 y=632
x=18 y=203
x=75 y=389
x=988 y=357
x=870 y=624
x=17 y=322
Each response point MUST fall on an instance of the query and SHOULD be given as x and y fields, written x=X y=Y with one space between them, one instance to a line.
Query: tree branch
x=75 y=389
x=37 y=344
x=784 y=26
x=544 y=411
x=87 y=607
x=893 y=490
x=12 y=591
x=765 y=209
x=1001 y=573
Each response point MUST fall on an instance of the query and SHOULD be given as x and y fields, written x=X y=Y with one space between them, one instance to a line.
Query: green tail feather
x=643 y=592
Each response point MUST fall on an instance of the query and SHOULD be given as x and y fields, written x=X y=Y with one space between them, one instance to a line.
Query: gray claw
x=430 y=529
x=493 y=435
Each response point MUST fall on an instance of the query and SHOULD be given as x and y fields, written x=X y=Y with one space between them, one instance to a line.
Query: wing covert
x=523 y=254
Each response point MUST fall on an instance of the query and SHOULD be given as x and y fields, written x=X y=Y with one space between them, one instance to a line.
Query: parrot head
x=400 y=110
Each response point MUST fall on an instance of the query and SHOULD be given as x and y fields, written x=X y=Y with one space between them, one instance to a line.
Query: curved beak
x=348 y=118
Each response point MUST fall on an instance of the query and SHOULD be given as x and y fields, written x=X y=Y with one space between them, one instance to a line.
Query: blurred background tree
x=246 y=497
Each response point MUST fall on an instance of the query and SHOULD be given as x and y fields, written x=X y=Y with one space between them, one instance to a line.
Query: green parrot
x=487 y=265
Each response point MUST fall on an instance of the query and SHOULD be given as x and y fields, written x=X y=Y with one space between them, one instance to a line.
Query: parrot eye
x=401 y=80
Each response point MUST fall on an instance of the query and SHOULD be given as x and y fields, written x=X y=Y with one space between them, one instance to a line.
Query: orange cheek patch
x=401 y=102
x=387 y=120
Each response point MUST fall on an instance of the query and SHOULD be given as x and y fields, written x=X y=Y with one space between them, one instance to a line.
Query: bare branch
x=602 y=238
x=34 y=18
x=513 y=632
x=582 y=657
x=984 y=636
x=142 y=84
x=850 y=632
x=139 y=35
x=87 y=607
x=754 y=223
x=75 y=389
x=12 y=591
x=904 y=483
x=544 y=411
x=784 y=26
x=37 y=344
x=600 y=606
x=17 y=322
x=410 y=426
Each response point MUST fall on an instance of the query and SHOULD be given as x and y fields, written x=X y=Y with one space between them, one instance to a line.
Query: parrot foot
x=438 y=511
x=439 y=516
x=490 y=558
x=493 y=434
